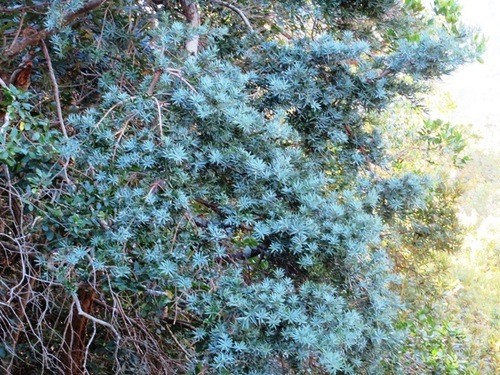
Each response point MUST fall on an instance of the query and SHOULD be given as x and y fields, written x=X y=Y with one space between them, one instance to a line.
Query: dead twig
x=3 y=84
x=160 y=122
x=177 y=73
x=5 y=115
x=56 y=89
x=93 y=318
x=181 y=347
x=58 y=107
x=29 y=8
x=156 y=77
x=21 y=23
x=111 y=110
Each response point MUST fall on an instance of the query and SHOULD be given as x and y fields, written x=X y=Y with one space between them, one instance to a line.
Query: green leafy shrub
x=433 y=346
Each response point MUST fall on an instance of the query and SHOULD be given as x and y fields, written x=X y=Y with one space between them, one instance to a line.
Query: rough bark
x=75 y=339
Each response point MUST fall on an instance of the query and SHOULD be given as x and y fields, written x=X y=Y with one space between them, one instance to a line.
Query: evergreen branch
x=34 y=37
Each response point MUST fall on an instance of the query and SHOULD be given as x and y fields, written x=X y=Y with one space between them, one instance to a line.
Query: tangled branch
x=34 y=37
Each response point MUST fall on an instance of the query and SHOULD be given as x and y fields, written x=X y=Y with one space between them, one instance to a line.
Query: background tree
x=197 y=186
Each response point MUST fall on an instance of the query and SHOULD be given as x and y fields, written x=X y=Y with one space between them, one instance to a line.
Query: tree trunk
x=192 y=14
x=75 y=338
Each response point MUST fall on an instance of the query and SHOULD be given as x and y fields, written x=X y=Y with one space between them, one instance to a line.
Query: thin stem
x=237 y=10
x=93 y=318
x=56 y=89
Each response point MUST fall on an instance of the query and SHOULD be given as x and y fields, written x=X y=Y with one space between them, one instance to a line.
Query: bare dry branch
x=156 y=77
x=181 y=347
x=3 y=84
x=93 y=318
x=21 y=23
x=18 y=9
x=56 y=89
x=237 y=10
x=108 y=112
x=160 y=122
x=4 y=116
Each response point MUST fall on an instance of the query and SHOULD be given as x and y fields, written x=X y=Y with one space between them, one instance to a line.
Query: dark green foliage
x=218 y=213
x=433 y=345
